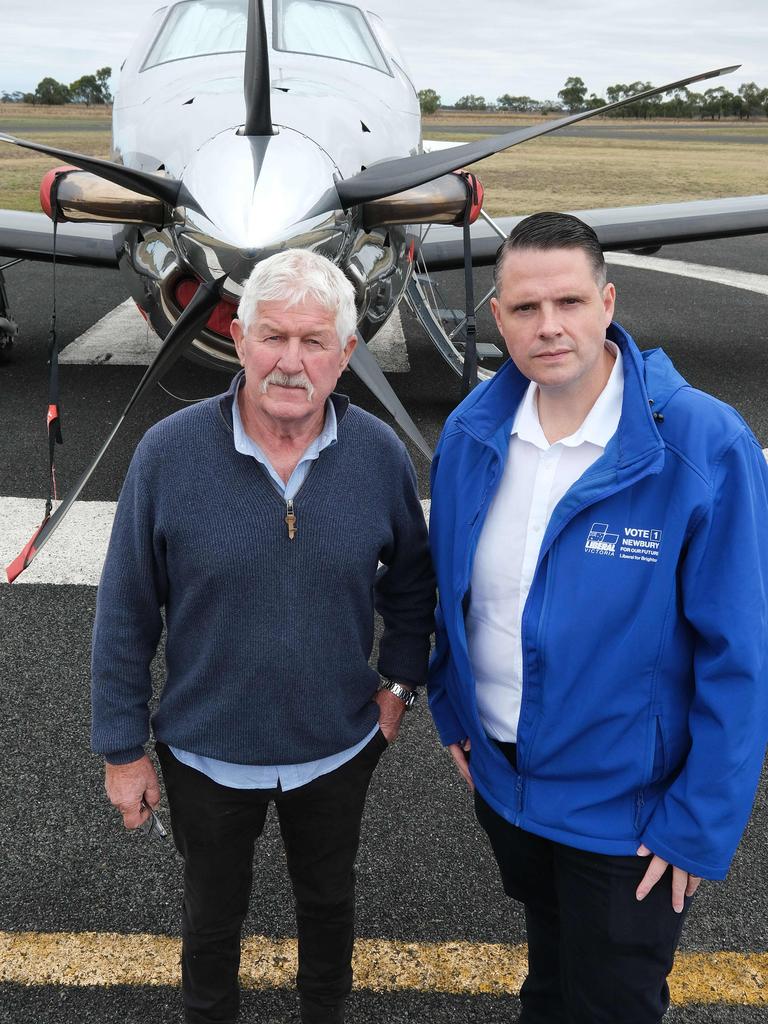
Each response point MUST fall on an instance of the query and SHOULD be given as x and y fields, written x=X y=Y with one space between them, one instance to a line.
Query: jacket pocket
x=656 y=767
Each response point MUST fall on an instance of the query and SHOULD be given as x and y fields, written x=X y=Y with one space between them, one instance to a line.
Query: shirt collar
x=247 y=446
x=601 y=421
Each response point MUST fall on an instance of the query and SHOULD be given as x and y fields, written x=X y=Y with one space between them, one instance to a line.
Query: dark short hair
x=553 y=231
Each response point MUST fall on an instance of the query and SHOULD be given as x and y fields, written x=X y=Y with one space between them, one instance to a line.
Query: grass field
x=79 y=129
x=564 y=173
x=445 y=119
x=573 y=173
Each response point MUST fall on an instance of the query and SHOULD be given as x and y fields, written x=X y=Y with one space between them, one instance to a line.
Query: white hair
x=293 y=276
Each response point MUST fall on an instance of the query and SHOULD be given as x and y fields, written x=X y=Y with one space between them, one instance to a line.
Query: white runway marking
x=389 y=346
x=122 y=337
x=74 y=554
x=716 y=275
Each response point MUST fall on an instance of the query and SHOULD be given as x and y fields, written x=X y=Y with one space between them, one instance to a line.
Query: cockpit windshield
x=194 y=28
x=322 y=28
x=326 y=29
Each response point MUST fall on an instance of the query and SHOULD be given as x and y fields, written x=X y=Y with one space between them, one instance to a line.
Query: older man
x=266 y=523
x=599 y=531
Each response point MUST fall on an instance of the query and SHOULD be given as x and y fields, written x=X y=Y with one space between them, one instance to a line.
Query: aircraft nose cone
x=255 y=192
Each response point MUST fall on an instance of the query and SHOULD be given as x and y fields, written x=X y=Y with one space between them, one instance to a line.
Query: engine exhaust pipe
x=442 y=201
x=82 y=196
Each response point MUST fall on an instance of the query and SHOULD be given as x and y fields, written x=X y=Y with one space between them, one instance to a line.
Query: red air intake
x=222 y=316
x=46 y=188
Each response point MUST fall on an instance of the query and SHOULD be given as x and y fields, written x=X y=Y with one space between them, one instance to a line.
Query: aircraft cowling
x=255 y=194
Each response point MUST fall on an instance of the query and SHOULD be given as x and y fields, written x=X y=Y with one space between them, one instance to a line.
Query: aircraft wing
x=623 y=227
x=29 y=236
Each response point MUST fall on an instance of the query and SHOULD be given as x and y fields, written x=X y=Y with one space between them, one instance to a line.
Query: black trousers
x=595 y=954
x=215 y=829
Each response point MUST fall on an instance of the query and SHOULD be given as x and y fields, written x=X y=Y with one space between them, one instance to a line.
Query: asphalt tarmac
x=425 y=871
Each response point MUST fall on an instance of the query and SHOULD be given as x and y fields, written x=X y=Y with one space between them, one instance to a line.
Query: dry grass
x=572 y=174
x=564 y=173
x=446 y=119
x=79 y=129
x=22 y=170
x=63 y=112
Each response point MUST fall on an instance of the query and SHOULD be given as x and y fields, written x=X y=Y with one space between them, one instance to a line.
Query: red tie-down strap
x=28 y=552
x=53 y=422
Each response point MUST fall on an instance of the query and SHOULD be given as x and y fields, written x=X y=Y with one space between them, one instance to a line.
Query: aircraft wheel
x=445 y=326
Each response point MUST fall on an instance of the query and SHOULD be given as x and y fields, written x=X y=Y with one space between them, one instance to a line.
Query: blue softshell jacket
x=644 y=703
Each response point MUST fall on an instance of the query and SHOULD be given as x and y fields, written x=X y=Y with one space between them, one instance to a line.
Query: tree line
x=91 y=90
x=748 y=101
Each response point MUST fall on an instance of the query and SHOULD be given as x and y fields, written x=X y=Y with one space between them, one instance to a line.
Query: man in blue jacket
x=599 y=536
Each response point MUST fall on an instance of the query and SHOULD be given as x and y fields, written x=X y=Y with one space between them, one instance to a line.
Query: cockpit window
x=326 y=29
x=194 y=28
x=388 y=46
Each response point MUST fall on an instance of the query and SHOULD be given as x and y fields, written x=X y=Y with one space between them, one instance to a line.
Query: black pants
x=215 y=829
x=595 y=954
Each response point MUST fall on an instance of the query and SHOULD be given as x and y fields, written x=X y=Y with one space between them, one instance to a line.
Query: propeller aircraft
x=243 y=127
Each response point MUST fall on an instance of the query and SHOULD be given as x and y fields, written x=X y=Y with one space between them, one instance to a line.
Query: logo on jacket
x=635 y=544
x=599 y=541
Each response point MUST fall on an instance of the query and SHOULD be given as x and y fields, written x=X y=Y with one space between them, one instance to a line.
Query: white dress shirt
x=536 y=476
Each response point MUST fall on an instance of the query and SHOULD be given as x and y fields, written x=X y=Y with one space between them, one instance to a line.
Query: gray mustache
x=296 y=380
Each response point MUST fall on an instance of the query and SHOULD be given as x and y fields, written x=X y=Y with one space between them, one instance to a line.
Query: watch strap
x=408 y=697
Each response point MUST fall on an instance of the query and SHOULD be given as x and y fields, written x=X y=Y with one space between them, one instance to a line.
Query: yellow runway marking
x=381 y=965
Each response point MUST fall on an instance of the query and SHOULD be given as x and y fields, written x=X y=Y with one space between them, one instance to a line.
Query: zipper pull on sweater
x=290 y=519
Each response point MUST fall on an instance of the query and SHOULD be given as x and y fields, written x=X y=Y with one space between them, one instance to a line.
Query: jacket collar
x=340 y=402
x=488 y=412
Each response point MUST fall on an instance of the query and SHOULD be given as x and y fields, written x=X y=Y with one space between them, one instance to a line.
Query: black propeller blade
x=392 y=176
x=181 y=334
x=166 y=189
x=258 y=111
x=363 y=363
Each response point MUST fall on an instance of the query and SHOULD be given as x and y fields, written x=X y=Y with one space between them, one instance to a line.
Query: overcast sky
x=487 y=47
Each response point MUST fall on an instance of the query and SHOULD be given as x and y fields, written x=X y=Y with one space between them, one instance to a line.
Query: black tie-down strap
x=53 y=416
x=469 y=373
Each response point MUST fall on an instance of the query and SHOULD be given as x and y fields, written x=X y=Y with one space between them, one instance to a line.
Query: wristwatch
x=408 y=697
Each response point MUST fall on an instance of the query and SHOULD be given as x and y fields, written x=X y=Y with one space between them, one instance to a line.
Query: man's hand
x=683 y=883
x=391 y=711
x=458 y=752
x=128 y=784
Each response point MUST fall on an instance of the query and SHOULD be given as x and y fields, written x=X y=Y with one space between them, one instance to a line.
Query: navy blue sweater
x=268 y=639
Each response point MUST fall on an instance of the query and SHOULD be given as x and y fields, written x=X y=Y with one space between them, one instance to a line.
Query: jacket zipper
x=639 y=804
x=290 y=519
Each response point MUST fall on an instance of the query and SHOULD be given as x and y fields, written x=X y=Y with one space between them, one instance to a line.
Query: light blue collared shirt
x=247 y=446
x=288 y=776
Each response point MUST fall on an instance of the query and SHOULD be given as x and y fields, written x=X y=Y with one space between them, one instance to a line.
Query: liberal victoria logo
x=599 y=541
x=634 y=544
